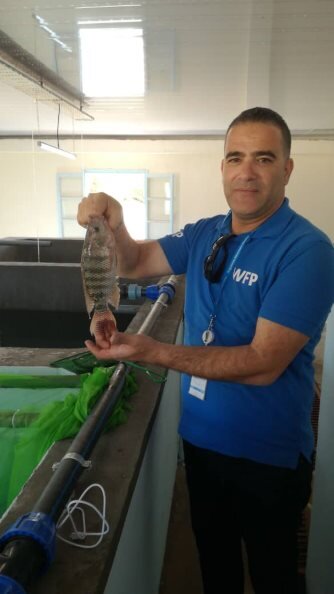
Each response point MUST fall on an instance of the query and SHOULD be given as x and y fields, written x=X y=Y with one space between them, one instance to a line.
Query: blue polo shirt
x=282 y=271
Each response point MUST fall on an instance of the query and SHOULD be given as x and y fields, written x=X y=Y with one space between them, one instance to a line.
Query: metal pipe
x=167 y=292
x=30 y=542
x=57 y=492
x=27 y=548
x=31 y=242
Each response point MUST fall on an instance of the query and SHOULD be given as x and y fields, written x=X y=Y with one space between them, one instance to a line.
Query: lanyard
x=228 y=271
x=208 y=335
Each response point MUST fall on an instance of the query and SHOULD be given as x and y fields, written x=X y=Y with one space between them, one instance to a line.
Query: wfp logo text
x=244 y=276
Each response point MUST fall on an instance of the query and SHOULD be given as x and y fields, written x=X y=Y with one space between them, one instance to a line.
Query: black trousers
x=234 y=499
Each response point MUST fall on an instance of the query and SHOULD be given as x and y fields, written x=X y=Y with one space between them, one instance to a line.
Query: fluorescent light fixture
x=54 y=36
x=106 y=6
x=112 y=62
x=110 y=22
x=56 y=150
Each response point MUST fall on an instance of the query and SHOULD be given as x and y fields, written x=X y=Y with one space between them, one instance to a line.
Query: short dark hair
x=265 y=116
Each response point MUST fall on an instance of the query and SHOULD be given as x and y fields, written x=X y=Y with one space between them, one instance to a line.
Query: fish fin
x=114 y=297
x=103 y=323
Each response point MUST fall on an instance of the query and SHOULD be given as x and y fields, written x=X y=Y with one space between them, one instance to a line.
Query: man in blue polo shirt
x=260 y=285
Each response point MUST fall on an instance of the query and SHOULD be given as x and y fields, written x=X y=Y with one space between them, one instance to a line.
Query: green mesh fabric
x=80 y=363
x=28 y=430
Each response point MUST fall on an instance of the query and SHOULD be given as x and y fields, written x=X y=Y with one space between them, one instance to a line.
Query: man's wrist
x=118 y=227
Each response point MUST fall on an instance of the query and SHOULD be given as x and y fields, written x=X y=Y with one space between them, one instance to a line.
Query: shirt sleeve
x=177 y=247
x=302 y=295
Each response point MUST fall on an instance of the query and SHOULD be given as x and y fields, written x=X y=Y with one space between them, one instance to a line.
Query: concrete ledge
x=117 y=461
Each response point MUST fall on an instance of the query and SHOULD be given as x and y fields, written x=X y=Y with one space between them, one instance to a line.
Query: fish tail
x=103 y=323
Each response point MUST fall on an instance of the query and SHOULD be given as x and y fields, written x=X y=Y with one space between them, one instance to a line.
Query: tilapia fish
x=98 y=267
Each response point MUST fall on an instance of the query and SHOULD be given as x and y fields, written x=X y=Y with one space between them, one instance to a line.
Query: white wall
x=28 y=179
x=139 y=558
x=311 y=183
x=320 y=568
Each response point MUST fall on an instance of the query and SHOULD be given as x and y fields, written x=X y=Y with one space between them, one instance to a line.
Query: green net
x=80 y=363
x=35 y=415
x=86 y=362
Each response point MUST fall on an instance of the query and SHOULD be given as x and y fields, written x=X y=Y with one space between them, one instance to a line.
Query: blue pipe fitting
x=134 y=291
x=169 y=289
x=37 y=526
x=152 y=292
x=9 y=586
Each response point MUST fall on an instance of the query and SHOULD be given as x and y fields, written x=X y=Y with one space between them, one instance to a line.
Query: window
x=129 y=188
x=147 y=200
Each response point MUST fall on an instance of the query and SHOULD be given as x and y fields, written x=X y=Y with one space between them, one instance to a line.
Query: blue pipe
x=27 y=549
x=134 y=291
x=9 y=586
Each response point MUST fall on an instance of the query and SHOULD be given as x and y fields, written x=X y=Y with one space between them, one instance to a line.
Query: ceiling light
x=55 y=149
x=110 y=22
x=54 y=36
x=107 y=6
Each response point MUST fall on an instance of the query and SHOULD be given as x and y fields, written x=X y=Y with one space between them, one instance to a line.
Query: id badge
x=197 y=387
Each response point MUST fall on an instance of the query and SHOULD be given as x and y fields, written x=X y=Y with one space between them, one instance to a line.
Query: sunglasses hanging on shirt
x=212 y=270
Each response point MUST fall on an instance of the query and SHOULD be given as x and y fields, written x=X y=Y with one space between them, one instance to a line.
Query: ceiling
x=205 y=61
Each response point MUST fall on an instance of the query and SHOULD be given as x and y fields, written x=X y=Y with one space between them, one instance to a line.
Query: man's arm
x=139 y=259
x=135 y=259
x=259 y=363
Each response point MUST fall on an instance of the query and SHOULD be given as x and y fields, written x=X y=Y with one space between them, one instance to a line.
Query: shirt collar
x=272 y=227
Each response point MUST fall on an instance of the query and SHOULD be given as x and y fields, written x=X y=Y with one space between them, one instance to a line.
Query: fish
x=99 y=277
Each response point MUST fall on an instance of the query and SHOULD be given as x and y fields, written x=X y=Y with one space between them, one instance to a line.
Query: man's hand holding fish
x=120 y=346
x=135 y=259
x=109 y=251
x=100 y=204
x=99 y=265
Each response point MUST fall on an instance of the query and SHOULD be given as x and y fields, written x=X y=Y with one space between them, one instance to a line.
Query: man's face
x=255 y=170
